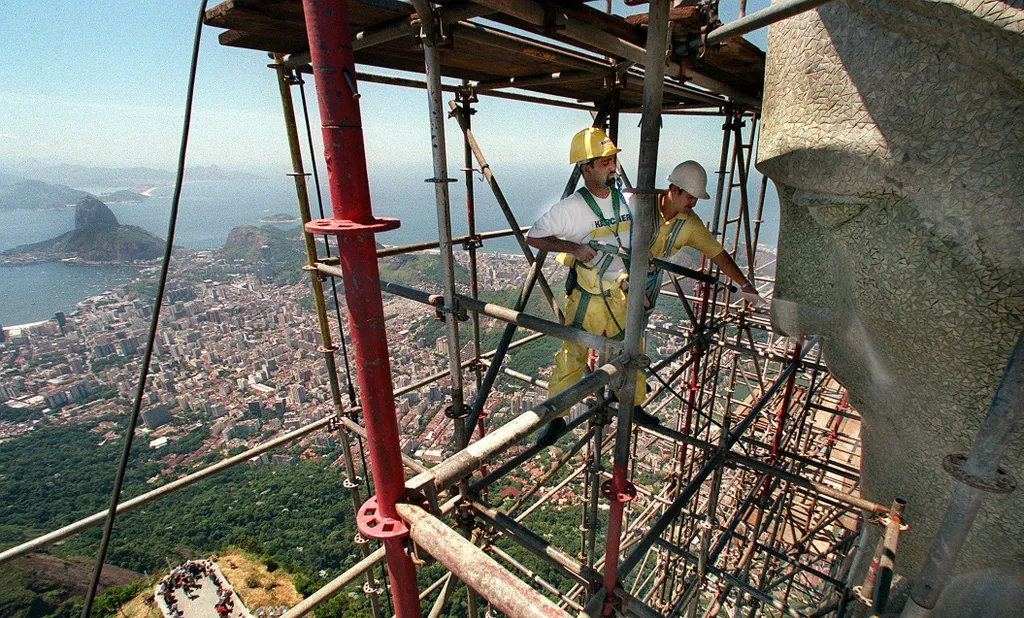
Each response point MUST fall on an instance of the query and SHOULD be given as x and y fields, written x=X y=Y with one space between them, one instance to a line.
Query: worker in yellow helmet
x=681 y=227
x=596 y=285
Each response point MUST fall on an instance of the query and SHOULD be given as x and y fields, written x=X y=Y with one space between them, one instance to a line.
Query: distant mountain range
x=97 y=237
x=85 y=176
x=36 y=194
x=33 y=185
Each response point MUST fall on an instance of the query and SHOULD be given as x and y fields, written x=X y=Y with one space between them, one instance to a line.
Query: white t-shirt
x=572 y=219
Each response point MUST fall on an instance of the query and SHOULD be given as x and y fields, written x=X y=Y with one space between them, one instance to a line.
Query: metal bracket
x=627 y=495
x=885 y=520
x=473 y=169
x=441 y=36
x=463 y=95
x=412 y=550
x=551 y=20
x=347 y=228
x=374 y=525
x=449 y=412
x=330 y=261
x=1002 y=483
x=333 y=424
x=369 y=589
x=472 y=242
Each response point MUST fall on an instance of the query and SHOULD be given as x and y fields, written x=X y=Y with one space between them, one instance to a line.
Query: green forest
x=299 y=516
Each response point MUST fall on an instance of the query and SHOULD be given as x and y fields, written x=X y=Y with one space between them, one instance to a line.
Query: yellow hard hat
x=590 y=143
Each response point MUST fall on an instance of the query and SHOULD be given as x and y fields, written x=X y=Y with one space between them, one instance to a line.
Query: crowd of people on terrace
x=187 y=577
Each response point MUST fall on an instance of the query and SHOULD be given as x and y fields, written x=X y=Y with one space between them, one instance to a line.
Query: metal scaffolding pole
x=326 y=344
x=469 y=563
x=976 y=474
x=620 y=491
x=353 y=223
x=432 y=61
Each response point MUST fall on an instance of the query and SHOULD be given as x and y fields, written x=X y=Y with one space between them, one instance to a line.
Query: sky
x=104 y=84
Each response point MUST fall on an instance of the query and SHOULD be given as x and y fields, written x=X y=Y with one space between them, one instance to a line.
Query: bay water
x=208 y=211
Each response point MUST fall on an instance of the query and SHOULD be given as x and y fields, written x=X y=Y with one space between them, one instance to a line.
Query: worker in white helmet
x=681 y=227
x=596 y=285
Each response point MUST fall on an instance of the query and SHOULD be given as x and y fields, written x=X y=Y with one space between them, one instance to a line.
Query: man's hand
x=749 y=294
x=583 y=253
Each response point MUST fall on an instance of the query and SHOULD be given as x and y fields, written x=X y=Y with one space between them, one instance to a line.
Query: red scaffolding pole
x=353 y=223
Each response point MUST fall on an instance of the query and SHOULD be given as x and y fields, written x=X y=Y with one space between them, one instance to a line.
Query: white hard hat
x=691 y=177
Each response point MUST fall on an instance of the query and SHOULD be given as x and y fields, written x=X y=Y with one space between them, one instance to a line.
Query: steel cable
x=115 y=494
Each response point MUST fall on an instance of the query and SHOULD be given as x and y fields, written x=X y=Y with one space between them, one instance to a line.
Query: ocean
x=210 y=210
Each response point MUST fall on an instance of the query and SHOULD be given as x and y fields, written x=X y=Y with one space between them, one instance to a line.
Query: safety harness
x=612 y=224
x=654 y=274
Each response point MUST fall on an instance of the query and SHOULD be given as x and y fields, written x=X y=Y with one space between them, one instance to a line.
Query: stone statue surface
x=894 y=132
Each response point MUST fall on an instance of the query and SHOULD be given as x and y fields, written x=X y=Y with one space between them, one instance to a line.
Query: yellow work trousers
x=571 y=359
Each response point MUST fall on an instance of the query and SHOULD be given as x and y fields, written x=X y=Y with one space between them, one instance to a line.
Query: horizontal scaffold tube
x=460 y=465
x=130 y=505
x=498 y=312
x=534 y=543
x=505 y=592
x=325 y=594
x=814 y=486
x=458 y=240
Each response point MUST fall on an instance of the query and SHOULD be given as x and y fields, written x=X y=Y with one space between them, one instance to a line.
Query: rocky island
x=98 y=237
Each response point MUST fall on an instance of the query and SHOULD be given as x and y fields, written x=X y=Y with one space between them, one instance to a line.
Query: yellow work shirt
x=684 y=231
x=681 y=231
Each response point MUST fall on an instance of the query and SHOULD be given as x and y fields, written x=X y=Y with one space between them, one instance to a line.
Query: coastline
x=15 y=329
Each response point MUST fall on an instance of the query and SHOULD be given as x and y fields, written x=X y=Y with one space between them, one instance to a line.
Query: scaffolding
x=757 y=512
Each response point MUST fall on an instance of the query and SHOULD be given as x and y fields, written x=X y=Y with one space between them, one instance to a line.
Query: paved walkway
x=203 y=600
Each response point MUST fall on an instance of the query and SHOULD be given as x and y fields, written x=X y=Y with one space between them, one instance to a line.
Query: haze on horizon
x=104 y=84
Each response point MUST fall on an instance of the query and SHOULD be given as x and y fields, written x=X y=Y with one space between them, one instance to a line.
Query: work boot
x=642 y=418
x=550 y=434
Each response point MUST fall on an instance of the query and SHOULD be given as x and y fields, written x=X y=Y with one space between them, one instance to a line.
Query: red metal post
x=698 y=354
x=781 y=415
x=330 y=46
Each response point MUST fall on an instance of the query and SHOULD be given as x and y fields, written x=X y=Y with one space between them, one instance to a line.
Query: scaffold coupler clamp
x=311 y=268
x=554 y=22
x=449 y=411
x=614 y=601
x=883 y=520
x=372 y=524
x=472 y=242
x=464 y=94
x=628 y=493
x=464 y=516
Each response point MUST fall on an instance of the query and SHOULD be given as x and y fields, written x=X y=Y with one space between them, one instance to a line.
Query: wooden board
x=278 y=26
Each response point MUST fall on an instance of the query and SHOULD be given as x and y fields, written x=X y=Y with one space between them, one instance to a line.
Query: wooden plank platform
x=491 y=53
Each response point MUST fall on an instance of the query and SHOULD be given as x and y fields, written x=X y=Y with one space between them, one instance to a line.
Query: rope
x=115 y=494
